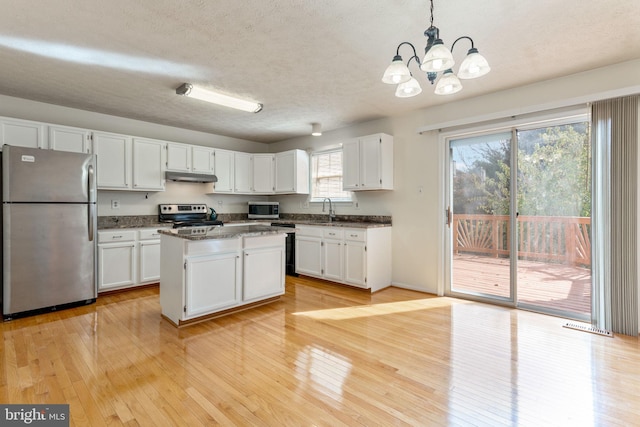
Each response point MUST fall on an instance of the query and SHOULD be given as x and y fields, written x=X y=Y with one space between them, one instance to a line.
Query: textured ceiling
x=306 y=61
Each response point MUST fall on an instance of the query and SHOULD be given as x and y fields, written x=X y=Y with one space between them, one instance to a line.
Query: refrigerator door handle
x=91 y=195
x=91 y=210
x=91 y=183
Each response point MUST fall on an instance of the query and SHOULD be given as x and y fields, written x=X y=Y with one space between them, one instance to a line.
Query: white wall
x=417 y=217
x=146 y=203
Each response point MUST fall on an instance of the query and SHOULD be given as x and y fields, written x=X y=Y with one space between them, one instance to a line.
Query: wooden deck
x=551 y=286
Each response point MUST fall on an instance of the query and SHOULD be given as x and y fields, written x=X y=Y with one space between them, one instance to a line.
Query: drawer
x=213 y=246
x=264 y=241
x=116 y=236
x=309 y=231
x=148 y=234
x=333 y=233
x=355 y=235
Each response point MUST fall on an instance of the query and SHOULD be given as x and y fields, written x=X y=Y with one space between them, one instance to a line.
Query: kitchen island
x=210 y=271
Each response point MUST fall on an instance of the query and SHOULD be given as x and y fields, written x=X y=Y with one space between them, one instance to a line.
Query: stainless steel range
x=186 y=215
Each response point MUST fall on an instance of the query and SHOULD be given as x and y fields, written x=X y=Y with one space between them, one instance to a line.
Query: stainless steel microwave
x=264 y=210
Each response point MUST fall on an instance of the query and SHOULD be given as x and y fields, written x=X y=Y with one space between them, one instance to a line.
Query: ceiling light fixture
x=187 y=89
x=316 y=129
x=437 y=58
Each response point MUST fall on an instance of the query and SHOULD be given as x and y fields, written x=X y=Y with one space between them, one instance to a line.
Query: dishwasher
x=290 y=244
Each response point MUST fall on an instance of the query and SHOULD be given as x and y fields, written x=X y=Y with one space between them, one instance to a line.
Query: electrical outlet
x=115 y=204
x=305 y=205
x=219 y=203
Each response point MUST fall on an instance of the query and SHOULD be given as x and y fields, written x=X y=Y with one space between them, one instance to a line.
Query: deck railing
x=563 y=239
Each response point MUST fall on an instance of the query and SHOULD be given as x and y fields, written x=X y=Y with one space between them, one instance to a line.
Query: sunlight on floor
x=379 y=309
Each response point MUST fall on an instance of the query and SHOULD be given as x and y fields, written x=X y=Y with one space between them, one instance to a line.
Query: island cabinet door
x=213 y=283
x=263 y=273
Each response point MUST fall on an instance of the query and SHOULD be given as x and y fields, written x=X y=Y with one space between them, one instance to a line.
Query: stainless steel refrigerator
x=48 y=230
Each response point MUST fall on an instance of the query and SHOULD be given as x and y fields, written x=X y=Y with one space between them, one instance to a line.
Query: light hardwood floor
x=323 y=355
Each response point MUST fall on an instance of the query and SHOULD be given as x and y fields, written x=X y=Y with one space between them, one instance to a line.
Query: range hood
x=190 y=177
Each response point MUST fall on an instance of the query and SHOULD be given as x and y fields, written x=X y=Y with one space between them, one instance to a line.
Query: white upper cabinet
x=351 y=165
x=243 y=176
x=263 y=173
x=148 y=164
x=22 y=133
x=129 y=164
x=224 y=170
x=202 y=159
x=64 y=138
x=114 y=160
x=367 y=163
x=292 y=172
x=178 y=157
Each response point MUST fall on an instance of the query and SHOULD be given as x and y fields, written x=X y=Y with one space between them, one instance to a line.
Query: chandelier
x=437 y=58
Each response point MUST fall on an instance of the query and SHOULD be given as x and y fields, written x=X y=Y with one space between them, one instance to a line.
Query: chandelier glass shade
x=397 y=72
x=438 y=58
x=448 y=84
x=408 y=89
x=474 y=65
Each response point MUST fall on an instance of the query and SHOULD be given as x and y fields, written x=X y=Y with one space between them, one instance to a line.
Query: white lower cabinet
x=359 y=257
x=264 y=267
x=116 y=259
x=148 y=256
x=212 y=282
x=309 y=251
x=355 y=262
x=128 y=258
x=200 y=278
x=333 y=257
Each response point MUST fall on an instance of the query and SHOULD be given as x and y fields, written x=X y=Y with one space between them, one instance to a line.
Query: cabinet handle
x=353 y=235
x=117 y=237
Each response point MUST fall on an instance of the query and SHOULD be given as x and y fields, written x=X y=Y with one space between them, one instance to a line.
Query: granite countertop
x=121 y=226
x=151 y=221
x=345 y=224
x=342 y=224
x=222 y=232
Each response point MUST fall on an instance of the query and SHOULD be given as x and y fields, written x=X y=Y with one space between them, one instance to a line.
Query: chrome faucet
x=332 y=213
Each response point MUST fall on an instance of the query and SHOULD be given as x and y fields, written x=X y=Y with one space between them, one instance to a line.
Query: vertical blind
x=615 y=133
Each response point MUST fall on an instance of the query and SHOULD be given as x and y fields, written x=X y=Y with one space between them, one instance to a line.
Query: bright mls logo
x=37 y=415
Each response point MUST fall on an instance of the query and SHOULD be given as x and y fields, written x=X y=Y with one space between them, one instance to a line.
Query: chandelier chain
x=431 y=10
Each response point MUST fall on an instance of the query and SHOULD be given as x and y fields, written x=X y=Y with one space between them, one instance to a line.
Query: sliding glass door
x=554 y=222
x=520 y=221
x=480 y=216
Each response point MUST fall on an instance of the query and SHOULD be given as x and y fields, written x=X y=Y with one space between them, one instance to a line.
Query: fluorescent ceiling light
x=208 y=95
